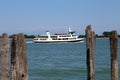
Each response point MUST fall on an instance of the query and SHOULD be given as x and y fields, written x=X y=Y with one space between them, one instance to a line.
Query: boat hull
x=56 y=41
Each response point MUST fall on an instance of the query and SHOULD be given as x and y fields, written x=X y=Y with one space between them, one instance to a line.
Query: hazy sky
x=37 y=16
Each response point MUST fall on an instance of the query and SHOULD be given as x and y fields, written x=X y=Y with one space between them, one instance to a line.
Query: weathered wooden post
x=90 y=45
x=19 y=68
x=4 y=53
x=114 y=55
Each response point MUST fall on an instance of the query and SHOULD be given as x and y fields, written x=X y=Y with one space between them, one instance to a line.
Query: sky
x=37 y=16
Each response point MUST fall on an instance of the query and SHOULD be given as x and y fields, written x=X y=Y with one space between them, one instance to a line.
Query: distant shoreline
x=84 y=38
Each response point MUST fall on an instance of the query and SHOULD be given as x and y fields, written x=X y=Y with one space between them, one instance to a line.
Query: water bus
x=70 y=37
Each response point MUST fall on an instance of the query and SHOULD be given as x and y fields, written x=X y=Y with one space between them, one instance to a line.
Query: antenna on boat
x=69 y=30
x=71 y=33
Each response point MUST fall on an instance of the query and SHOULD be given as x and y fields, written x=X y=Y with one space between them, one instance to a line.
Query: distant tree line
x=26 y=36
x=105 y=34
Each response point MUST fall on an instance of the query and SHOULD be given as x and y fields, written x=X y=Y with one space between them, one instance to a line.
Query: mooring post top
x=4 y=38
x=21 y=35
x=88 y=30
x=113 y=34
x=89 y=26
x=16 y=36
x=4 y=35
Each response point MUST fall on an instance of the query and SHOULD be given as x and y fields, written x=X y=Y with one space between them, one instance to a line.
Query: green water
x=67 y=61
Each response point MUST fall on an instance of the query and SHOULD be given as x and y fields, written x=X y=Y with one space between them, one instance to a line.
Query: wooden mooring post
x=4 y=57
x=90 y=46
x=19 y=68
x=114 y=55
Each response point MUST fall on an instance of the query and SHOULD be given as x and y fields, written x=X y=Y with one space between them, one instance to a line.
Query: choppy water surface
x=67 y=61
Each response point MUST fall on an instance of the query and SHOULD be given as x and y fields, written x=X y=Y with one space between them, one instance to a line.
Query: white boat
x=70 y=37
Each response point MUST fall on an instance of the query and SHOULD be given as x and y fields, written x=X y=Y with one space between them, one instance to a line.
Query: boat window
x=42 y=39
x=59 y=39
x=71 y=38
x=65 y=38
x=35 y=39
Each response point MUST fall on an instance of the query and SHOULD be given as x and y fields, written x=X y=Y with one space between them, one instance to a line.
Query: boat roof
x=61 y=34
